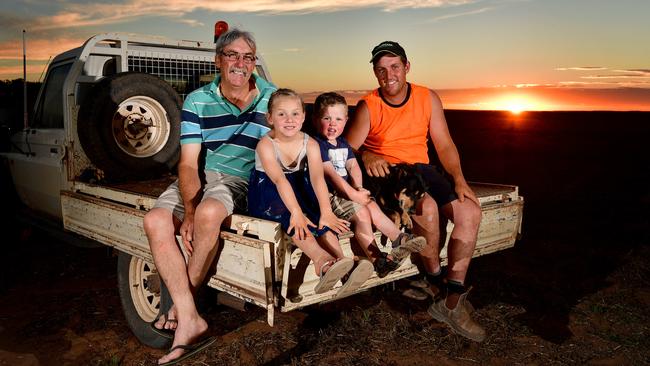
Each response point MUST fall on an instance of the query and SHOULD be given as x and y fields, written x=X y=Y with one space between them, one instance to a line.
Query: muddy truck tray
x=257 y=262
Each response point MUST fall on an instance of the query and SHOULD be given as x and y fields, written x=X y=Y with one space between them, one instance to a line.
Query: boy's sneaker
x=384 y=265
x=459 y=319
x=405 y=244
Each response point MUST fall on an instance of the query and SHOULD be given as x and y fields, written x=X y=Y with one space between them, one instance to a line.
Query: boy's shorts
x=230 y=190
x=343 y=207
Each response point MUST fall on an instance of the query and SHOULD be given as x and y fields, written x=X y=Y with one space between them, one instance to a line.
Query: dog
x=397 y=193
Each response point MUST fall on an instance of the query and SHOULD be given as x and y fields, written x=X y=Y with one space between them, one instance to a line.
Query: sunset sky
x=478 y=54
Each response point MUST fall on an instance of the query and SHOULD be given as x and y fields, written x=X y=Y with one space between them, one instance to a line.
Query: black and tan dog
x=397 y=193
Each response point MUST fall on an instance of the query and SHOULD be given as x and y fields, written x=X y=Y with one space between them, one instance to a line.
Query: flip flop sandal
x=165 y=333
x=192 y=350
x=357 y=278
x=336 y=270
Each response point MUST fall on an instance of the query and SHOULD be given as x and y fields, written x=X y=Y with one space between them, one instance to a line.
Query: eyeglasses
x=248 y=58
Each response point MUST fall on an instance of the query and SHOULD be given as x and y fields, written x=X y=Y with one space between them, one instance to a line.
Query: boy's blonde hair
x=326 y=100
x=284 y=92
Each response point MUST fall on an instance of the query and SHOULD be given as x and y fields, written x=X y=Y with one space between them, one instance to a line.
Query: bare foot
x=188 y=332
x=168 y=321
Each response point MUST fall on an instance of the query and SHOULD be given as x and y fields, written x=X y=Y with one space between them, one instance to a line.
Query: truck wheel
x=129 y=125
x=143 y=296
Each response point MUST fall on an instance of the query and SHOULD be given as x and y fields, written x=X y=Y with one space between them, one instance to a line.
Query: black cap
x=388 y=47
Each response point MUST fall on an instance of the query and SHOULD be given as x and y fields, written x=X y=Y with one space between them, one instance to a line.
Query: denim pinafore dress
x=264 y=200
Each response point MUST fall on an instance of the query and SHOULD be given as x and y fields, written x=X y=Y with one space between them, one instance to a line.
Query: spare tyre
x=129 y=126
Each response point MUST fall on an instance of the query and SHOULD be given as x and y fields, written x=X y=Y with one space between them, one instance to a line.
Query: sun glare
x=515 y=108
x=516 y=104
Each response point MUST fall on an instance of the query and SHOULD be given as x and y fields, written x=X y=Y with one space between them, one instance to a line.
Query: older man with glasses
x=221 y=125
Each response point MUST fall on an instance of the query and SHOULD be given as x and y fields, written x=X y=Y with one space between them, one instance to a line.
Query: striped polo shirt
x=229 y=135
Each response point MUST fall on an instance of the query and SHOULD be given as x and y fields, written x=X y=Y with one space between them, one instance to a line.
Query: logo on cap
x=388 y=47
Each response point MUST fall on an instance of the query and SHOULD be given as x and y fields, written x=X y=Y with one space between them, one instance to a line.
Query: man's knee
x=210 y=212
x=427 y=208
x=470 y=214
x=157 y=220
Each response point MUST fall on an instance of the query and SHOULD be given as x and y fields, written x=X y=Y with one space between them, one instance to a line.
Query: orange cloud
x=88 y=14
x=37 y=49
x=16 y=72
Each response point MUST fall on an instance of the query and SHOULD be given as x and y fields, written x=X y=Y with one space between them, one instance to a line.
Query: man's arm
x=189 y=185
x=446 y=149
x=356 y=134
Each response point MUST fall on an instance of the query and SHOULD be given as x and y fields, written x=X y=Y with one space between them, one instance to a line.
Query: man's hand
x=376 y=166
x=187 y=232
x=463 y=191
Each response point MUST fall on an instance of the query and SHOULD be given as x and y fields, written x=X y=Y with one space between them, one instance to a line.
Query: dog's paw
x=396 y=218
x=406 y=221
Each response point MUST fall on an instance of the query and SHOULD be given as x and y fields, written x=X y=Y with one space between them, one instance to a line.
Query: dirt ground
x=574 y=290
x=561 y=296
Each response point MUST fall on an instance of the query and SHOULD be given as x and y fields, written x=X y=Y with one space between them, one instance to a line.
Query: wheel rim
x=144 y=291
x=140 y=126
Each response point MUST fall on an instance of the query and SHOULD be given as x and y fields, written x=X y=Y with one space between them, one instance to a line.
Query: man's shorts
x=230 y=190
x=344 y=208
x=440 y=185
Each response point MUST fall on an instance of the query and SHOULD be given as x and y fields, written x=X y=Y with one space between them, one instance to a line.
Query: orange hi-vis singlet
x=399 y=133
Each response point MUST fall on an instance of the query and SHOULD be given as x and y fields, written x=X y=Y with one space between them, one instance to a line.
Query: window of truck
x=49 y=112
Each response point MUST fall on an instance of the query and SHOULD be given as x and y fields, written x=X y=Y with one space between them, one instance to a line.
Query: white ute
x=108 y=111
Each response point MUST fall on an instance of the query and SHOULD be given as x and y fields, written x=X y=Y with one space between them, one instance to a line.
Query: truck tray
x=257 y=261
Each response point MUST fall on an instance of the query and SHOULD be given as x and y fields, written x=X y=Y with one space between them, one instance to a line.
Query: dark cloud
x=12 y=24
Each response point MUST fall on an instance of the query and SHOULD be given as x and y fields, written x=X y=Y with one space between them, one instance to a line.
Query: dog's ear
x=421 y=184
x=393 y=172
x=401 y=171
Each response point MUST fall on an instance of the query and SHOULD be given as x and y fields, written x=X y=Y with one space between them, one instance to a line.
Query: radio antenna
x=25 y=116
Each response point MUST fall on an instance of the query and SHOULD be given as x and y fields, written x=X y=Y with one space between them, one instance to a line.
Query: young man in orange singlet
x=390 y=126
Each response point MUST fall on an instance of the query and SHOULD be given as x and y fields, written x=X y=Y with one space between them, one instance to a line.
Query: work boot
x=459 y=318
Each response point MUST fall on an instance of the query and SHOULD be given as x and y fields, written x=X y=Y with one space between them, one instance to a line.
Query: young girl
x=349 y=199
x=288 y=186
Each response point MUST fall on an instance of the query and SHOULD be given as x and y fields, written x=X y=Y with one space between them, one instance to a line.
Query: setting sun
x=516 y=103
x=516 y=108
